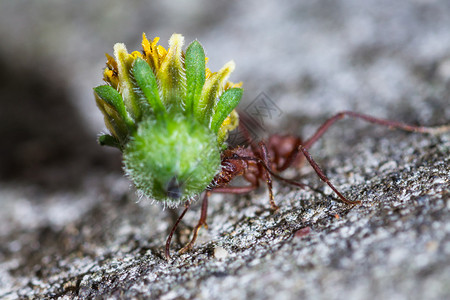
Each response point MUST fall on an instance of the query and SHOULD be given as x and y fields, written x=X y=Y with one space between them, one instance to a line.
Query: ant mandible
x=262 y=161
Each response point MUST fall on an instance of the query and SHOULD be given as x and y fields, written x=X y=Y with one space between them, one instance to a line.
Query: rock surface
x=71 y=227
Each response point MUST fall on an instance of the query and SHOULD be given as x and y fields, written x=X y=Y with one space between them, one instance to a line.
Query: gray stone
x=312 y=59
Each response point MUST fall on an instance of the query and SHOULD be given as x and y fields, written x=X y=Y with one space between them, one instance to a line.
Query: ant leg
x=292 y=182
x=169 y=238
x=324 y=178
x=295 y=183
x=383 y=122
x=266 y=161
x=201 y=222
x=235 y=189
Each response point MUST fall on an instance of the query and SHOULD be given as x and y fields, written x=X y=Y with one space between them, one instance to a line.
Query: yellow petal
x=126 y=85
x=229 y=124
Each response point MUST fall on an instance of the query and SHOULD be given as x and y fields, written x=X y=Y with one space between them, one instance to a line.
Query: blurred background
x=312 y=58
x=67 y=214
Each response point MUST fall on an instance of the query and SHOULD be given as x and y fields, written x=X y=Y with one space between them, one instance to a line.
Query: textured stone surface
x=86 y=236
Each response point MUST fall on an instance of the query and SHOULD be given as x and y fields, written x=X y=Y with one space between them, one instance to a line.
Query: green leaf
x=146 y=80
x=108 y=140
x=227 y=102
x=113 y=98
x=195 y=74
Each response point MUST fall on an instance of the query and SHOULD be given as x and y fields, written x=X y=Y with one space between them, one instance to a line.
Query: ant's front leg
x=266 y=160
x=201 y=222
x=169 y=238
x=204 y=212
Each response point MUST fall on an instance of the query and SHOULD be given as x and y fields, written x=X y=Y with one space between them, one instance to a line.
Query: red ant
x=268 y=158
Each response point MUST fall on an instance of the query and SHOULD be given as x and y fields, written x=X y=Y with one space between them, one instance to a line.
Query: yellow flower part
x=169 y=115
x=230 y=123
x=153 y=53
x=171 y=75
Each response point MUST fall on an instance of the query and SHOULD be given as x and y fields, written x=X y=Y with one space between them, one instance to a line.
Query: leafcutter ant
x=265 y=160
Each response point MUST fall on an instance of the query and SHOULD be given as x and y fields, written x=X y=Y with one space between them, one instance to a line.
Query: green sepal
x=114 y=99
x=195 y=74
x=109 y=140
x=227 y=102
x=171 y=75
x=211 y=90
x=146 y=80
x=113 y=120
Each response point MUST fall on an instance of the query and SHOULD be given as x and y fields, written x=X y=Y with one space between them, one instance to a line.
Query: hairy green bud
x=173 y=160
x=169 y=115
